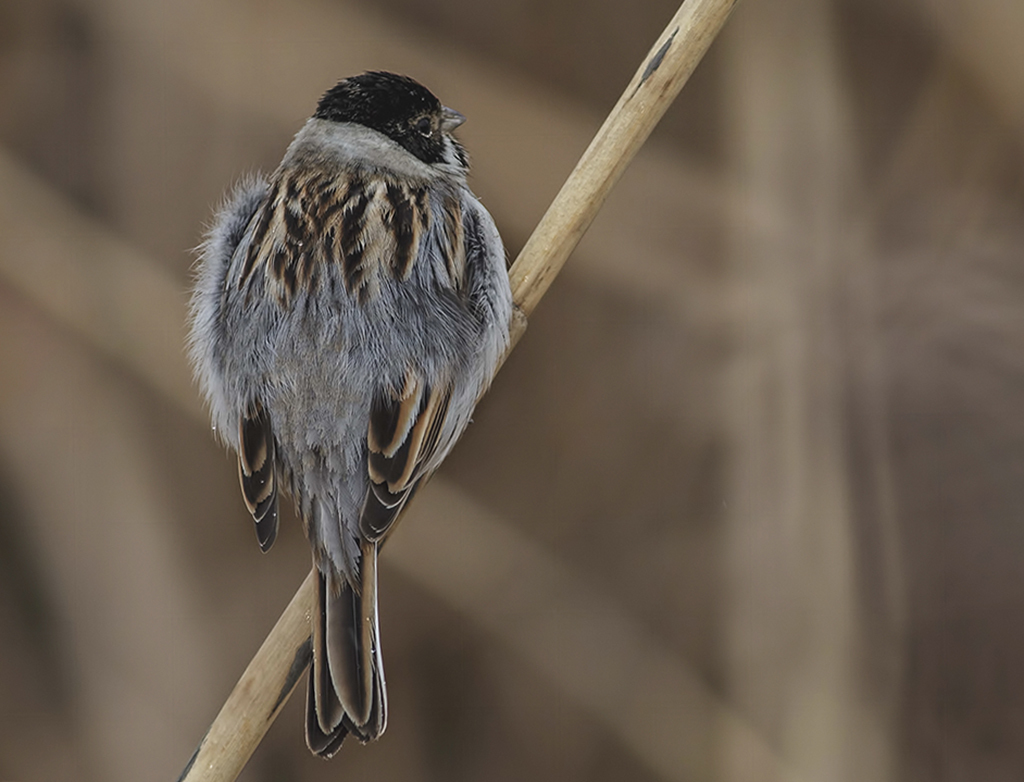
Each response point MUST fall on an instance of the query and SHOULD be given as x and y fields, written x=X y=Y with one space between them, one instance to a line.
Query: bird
x=347 y=312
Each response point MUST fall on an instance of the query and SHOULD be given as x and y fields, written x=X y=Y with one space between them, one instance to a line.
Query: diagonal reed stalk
x=271 y=676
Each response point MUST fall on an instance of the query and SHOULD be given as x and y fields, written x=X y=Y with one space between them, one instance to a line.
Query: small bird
x=347 y=313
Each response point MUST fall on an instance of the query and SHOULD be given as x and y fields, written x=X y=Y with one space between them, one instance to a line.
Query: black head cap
x=397 y=106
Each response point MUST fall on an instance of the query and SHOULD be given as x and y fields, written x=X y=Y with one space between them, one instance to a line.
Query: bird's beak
x=450 y=119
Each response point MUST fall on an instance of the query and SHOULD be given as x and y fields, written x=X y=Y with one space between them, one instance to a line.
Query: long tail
x=346 y=692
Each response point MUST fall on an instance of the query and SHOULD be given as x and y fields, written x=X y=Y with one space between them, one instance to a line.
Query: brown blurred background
x=746 y=504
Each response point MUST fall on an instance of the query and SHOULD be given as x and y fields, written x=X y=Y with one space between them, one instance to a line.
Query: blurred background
x=745 y=504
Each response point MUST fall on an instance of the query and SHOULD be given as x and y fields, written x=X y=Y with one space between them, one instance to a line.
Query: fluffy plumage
x=348 y=311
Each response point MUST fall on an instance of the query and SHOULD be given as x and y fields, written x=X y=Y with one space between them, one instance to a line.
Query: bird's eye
x=423 y=125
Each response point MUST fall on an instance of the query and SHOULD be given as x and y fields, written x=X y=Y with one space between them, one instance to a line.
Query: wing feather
x=397 y=463
x=257 y=463
x=389 y=422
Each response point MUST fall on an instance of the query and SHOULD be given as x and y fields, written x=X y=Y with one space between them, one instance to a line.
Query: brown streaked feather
x=414 y=452
x=403 y=435
x=390 y=422
x=455 y=246
x=368 y=226
x=257 y=461
x=404 y=225
x=390 y=468
x=380 y=509
x=433 y=434
x=266 y=214
x=350 y=228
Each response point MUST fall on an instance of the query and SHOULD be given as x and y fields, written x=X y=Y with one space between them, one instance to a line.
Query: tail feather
x=346 y=692
x=377 y=706
x=319 y=742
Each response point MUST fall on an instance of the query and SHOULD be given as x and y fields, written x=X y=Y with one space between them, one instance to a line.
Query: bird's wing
x=405 y=430
x=413 y=427
x=257 y=457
